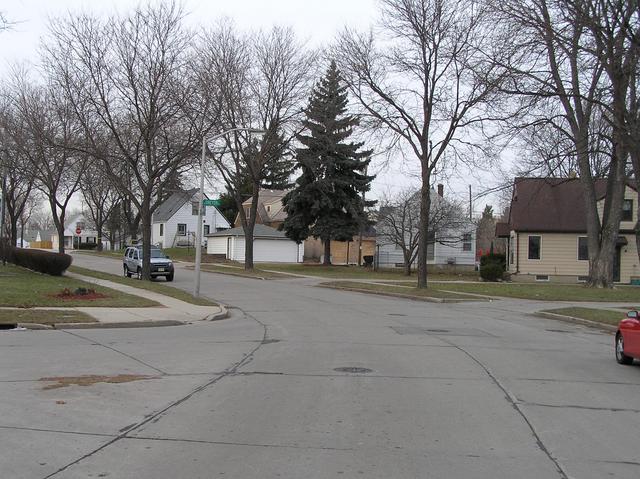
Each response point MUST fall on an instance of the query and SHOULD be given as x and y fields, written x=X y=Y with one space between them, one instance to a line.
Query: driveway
x=306 y=382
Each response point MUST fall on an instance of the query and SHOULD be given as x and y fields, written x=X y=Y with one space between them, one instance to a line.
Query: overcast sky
x=315 y=21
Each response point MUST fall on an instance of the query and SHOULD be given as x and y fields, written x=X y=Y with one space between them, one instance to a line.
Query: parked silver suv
x=161 y=265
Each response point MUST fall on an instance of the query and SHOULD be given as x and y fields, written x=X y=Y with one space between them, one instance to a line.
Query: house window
x=583 y=248
x=466 y=242
x=542 y=277
x=534 y=247
x=206 y=229
x=627 y=210
x=194 y=209
x=161 y=229
x=182 y=229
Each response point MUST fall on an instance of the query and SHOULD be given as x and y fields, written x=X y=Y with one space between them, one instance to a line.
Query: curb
x=130 y=324
x=400 y=295
x=570 y=319
x=223 y=314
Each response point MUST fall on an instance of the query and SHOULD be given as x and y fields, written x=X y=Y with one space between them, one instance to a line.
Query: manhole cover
x=347 y=369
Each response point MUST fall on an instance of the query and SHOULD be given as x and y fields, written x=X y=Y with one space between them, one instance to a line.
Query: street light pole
x=196 y=288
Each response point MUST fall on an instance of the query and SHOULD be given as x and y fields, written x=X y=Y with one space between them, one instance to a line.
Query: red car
x=628 y=339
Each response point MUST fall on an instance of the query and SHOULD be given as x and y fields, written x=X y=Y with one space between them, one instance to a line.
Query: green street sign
x=210 y=202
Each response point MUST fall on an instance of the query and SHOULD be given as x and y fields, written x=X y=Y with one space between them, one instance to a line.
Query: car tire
x=169 y=277
x=127 y=273
x=139 y=273
x=620 y=356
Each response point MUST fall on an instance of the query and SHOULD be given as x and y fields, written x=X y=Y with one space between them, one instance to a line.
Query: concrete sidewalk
x=171 y=311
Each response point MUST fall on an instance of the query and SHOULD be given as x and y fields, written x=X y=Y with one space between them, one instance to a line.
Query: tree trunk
x=248 y=247
x=146 y=237
x=13 y=231
x=407 y=265
x=423 y=244
x=326 y=243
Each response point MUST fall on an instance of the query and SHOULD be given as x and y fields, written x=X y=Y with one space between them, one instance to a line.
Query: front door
x=616 y=265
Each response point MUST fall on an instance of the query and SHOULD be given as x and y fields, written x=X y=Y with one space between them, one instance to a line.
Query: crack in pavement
x=577 y=406
x=248 y=444
x=153 y=417
x=57 y=431
x=122 y=353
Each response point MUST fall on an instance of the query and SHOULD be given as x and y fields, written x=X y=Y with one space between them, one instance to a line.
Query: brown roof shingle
x=550 y=205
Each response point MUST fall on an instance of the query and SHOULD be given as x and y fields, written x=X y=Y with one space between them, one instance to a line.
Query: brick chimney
x=440 y=190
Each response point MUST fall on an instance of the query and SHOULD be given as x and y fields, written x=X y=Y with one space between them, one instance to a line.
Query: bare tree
x=426 y=79
x=563 y=84
x=260 y=82
x=100 y=196
x=399 y=223
x=44 y=136
x=129 y=79
x=18 y=179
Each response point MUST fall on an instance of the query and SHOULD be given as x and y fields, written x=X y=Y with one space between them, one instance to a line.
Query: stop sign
x=78 y=231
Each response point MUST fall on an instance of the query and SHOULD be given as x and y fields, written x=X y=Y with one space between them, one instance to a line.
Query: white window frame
x=185 y=229
x=528 y=248
x=161 y=229
x=578 y=248
x=469 y=242
x=542 y=280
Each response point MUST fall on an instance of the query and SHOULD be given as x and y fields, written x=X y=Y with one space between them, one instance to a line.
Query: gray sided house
x=450 y=248
x=175 y=220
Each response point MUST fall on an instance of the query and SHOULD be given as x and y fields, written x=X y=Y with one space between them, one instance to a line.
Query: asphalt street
x=306 y=382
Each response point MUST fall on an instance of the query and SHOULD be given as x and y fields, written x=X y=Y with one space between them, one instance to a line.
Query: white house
x=269 y=245
x=174 y=221
x=72 y=239
x=450 y=246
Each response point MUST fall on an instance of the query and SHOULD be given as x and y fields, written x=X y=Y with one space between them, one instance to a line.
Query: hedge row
x=37 y=260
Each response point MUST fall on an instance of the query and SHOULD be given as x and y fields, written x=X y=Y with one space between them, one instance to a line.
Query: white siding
x=217 y=245
x=264 y=250
x=213 y=218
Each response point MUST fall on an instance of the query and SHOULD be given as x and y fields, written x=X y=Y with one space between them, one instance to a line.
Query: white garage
x=269 y=245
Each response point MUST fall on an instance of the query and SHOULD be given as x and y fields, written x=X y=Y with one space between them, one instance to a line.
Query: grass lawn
x=240 y=271
x=147 y=285
x=385 y=288
x=43 y=316
x=605 y=316
x=358 y=272
x=23 y=289
x=544 y=292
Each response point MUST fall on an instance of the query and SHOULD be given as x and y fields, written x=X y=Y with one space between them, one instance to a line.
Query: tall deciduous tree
x=426 y=80
x=131 y=84
x=564 y=83
x=259 y=82
x=327 y=201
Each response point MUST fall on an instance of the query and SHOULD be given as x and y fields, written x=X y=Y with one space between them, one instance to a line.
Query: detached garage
x=269 y=245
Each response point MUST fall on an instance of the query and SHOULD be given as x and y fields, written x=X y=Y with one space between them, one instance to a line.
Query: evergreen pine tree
x=327 y=200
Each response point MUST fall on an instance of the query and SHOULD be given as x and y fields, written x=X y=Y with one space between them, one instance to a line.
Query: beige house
x=270 y=212
x=547 y=233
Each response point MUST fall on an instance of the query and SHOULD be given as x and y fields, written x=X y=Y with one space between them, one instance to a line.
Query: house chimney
x=440 y=190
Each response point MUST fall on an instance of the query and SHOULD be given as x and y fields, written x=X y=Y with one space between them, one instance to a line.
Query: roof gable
x=171 y=205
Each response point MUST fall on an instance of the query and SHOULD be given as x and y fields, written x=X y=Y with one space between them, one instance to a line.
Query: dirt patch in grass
x=90 y=380
x=88 y=295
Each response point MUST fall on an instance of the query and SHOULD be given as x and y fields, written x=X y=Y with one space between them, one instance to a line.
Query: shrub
x=496 y=258
x=491 y=271
x=42 y=261
x=90 y=246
